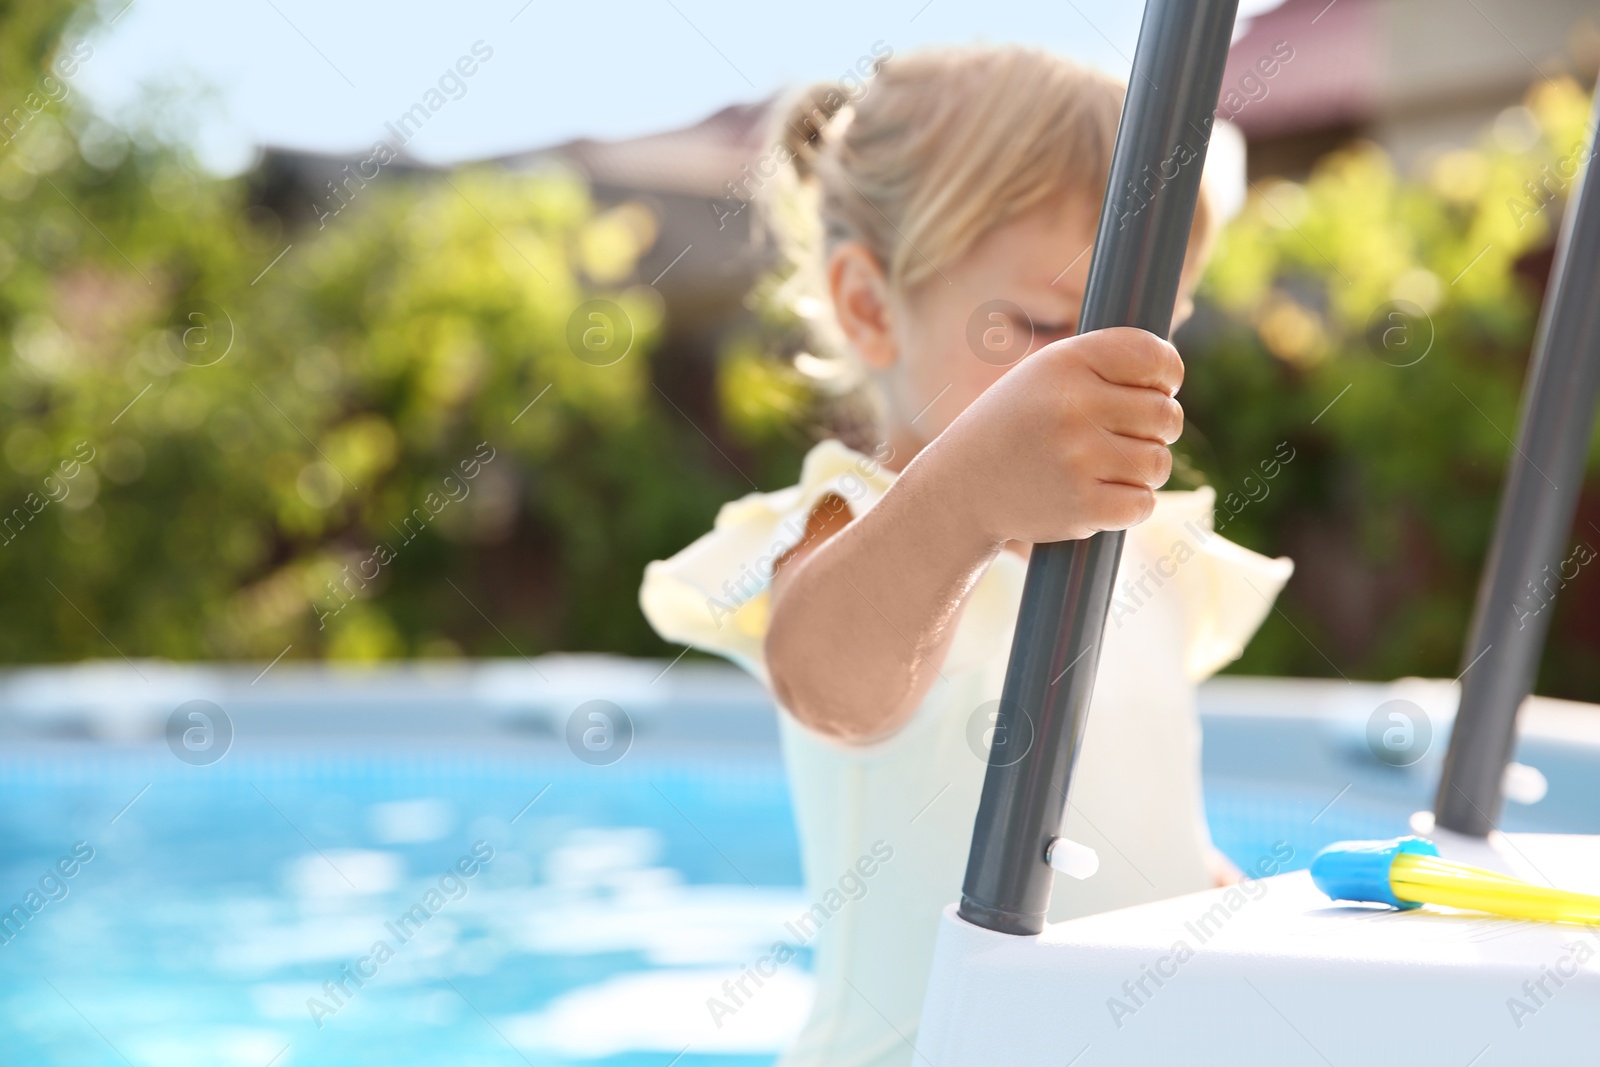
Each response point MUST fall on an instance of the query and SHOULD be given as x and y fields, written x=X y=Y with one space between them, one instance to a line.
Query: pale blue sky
x=326 y=76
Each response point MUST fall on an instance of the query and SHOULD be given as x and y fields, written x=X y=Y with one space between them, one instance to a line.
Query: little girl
x=952 y=207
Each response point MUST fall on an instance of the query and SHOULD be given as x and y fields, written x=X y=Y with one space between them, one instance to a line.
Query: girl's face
x=934 y=349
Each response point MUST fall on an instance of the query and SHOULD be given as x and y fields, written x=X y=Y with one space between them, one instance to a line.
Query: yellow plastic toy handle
x=1429 y=880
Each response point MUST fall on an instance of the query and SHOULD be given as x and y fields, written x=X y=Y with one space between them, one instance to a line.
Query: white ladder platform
x=1274 y=973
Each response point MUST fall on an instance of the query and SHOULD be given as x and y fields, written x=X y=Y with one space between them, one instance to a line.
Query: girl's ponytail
x=806 y=120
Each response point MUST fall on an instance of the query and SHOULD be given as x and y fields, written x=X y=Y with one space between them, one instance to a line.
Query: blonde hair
x=931 y=152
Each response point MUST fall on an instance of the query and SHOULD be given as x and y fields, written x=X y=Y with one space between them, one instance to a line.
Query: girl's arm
x=1072 y=441
x=864 y=613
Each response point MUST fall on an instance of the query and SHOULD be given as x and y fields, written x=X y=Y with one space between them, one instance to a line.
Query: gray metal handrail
x=1133 y=281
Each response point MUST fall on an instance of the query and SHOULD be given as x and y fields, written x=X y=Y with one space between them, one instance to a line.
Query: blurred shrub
x=1381 y=325
x=222 y=437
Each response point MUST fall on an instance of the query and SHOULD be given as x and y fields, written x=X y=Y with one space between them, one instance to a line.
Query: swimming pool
x=531 y=907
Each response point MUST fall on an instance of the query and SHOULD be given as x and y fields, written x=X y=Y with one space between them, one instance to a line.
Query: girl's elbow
x=794 y=683
x=784 y=675
x=822 y=707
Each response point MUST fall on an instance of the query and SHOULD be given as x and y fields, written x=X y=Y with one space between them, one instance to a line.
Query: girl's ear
x=860 y=293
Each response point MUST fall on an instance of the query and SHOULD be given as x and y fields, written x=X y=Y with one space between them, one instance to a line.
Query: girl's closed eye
x=1054 y=331
x=1045 y=333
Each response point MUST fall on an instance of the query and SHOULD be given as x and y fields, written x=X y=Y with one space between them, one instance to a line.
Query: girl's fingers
x=1124 y=355
x=1146 y=414
x=1134 y=462
x=1120 y=506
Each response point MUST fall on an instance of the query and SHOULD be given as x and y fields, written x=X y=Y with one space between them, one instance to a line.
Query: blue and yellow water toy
x=1408 y=872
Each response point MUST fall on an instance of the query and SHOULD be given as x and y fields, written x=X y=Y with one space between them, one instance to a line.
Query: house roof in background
x=694 y=161
x=1394 y=63
x=1332 y=77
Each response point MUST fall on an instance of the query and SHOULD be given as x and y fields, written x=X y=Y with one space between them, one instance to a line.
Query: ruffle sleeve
x=1226 y=589
x=715 y=594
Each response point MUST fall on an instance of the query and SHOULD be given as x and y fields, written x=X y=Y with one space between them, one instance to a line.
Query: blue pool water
x=221 y=899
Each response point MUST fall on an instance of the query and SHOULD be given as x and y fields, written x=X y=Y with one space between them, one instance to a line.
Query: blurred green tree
x=1381 y=325
x=406 y=431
